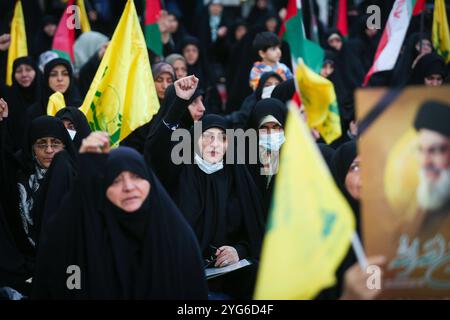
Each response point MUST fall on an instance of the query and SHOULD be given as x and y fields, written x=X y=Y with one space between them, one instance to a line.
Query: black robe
x=223 y=208
x=147 y=254
x=80 y=122
x=263 y=108
x=20 y=238
x=240 y=118
x=20 y=99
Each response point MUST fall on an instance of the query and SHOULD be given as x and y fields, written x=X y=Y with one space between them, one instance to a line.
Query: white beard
x=432 y=196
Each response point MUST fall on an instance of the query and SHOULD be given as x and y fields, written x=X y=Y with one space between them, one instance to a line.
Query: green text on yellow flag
x=319 y=98
x=308 y=235
x=122 y=96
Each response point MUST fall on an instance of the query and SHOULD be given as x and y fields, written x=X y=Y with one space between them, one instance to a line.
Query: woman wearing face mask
x=219 y=199
x=22 y=175
x=268 y=119
x=266 y=85
x=25 y=90
x=76 y=124
x=58 y=76
x=122 y=230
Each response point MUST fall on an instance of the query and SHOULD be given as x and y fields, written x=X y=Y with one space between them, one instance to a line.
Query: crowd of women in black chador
x=65 y=201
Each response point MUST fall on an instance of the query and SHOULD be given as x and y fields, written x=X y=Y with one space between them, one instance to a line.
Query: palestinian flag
x=293 y=32
x=151 y=29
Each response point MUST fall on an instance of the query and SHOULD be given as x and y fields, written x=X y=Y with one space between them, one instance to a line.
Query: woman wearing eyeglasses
x=21 y=175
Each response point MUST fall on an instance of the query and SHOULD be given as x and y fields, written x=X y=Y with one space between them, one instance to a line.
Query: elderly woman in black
x=22 y=175
x=118 y=225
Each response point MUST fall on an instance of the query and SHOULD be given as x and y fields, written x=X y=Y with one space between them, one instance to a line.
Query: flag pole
x=359 y=251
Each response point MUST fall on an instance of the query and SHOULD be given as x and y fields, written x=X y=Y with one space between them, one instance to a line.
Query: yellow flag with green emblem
x=122 y=96
x=18 y=46
x=307 y=235
x=441 y=34
x=319 y=98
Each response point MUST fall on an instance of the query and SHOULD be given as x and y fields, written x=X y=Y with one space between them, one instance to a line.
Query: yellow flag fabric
x=84 y=20
x=441 y=34
x=122 y=96
x=55 y=103
x=319 y=98
x=18 y=46
x=306 y=237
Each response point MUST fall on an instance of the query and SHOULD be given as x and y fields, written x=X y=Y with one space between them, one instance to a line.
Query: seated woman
x=21 y=177
x=219 y=199
x=268 y=119
x=121 y=230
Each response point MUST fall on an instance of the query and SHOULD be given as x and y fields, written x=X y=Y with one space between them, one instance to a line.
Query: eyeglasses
x=54 y=146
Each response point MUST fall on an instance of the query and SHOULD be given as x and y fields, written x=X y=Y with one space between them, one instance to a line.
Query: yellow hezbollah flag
x=55 y=103
x=122 y=96
x=307 y=236
x=441 y=34
x=84 y=20
x=18 y=46
x=318 y=97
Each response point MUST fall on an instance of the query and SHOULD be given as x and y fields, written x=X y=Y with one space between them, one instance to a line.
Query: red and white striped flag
x=392 y=38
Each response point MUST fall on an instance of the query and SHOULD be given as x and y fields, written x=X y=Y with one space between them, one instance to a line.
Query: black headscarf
x=42 y=41
x=44 y=126
x=200 y=68
x=239 y=119
x=342 y=160
x=429 y=64
x=347 y=76
x=147 y=254
x=284 y=91
x=223 y=208
x=263 y=108
x=31 y=175
x=71 y=96
x=403 y=67
x=80 y=122
x=20 y=99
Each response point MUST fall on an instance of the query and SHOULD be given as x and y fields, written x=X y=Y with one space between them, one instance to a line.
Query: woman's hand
x=185 y=87
x=226 y=255
x=355 y=281
x=5 y=41
x=96 y=142
x=3 y=109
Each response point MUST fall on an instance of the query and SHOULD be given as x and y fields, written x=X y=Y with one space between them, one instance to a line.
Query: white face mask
x=272 y=142
x=207 y=167
x=72 y=133
x=267 y=92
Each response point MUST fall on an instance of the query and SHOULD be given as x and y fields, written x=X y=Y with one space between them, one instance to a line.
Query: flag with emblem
x=122 y=96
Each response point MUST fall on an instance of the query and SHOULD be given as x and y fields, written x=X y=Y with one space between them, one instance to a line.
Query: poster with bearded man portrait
x=405 y=177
